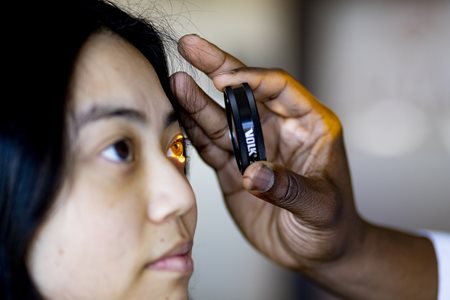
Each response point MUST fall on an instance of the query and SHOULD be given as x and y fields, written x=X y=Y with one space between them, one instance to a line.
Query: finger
x=274 y=87
x=204 y=111
x=211 y=153
x=206 y=56
x=312 y=200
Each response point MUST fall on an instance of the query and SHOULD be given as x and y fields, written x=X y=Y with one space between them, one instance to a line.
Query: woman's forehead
x=111 y=73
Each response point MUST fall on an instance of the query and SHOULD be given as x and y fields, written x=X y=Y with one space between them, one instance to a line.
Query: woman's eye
x=177 y=149
x=120 y=151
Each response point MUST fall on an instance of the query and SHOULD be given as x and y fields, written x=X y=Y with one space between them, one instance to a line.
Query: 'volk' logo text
x=251 y=146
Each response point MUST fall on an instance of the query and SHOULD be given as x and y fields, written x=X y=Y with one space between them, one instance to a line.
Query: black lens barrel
x=244 y=125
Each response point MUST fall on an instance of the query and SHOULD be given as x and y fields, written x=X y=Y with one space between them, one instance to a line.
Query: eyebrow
x=97 y=113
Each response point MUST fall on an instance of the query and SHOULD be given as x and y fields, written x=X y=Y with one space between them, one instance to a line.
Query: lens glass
x=234 y=134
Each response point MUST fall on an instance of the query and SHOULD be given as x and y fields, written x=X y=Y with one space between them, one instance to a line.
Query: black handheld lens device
x=244 y=125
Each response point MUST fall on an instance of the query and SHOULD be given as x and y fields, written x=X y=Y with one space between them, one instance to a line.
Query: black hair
x=32 y=117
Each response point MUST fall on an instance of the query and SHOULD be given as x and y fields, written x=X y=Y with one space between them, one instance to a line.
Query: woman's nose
x=169 y=193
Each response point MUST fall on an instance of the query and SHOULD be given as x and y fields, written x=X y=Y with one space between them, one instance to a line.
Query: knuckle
x=330 y=120
x=197 y=104
x=292 y=194
x=219 y=134
x=204 y=148
x=187 y=122
x=335 y=124
x=280 y=72
x=183 y=75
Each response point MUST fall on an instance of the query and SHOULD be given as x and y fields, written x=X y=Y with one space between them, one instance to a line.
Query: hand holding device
x=297 y=206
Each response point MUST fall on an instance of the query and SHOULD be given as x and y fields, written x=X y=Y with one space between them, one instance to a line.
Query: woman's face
x=122 y=225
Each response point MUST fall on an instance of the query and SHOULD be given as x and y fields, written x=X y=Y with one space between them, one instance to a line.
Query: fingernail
x=194 y=35
x=190 y=35
x=262 y=179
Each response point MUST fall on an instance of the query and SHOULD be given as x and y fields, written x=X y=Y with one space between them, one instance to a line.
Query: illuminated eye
x=119 y=152
x=176 y=149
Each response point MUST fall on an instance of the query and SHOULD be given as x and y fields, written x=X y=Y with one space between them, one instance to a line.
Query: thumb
x=313 y=200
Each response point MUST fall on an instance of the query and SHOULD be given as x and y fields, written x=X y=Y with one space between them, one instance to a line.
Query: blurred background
x=383 y=66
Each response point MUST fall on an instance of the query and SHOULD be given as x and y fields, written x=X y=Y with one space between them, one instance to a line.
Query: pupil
x=122 y=149
x=178 y=148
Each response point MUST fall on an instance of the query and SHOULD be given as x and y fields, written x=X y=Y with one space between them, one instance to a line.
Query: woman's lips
x=178 y=263
x=178 y=259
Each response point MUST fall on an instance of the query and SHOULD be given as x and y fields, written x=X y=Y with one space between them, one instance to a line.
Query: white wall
x=384 y=67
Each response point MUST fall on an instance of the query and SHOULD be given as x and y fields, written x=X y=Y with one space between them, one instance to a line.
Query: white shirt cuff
x=441 y=243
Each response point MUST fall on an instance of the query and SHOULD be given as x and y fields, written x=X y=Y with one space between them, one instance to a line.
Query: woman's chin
x=175 y=289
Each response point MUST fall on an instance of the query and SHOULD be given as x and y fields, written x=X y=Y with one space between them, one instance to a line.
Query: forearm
x=384 y=264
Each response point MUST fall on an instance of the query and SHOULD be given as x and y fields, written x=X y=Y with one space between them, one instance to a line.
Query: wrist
x=350 y=256
x=381 y=263
x=335 y=246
